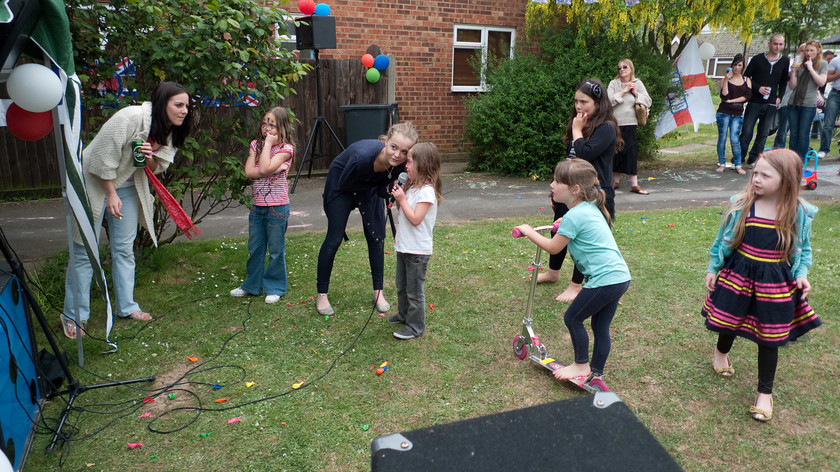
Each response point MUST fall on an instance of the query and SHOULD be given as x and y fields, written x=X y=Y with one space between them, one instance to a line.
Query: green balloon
x=372 y=75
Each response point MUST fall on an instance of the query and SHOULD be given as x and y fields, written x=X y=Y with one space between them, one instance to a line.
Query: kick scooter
x=527 y=344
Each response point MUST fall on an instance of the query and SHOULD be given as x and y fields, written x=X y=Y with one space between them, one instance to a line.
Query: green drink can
x=139 y=157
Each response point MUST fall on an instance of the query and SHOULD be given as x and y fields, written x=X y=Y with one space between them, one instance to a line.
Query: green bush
x=516 y=127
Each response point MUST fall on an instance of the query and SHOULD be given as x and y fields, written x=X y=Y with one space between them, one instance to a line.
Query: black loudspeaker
x=315 y=32
x=592 y=433
x=19 y=390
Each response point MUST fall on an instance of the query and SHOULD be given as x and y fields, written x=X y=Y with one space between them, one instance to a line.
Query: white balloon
x=707 y=51
x=5 y=465
x=34 y=88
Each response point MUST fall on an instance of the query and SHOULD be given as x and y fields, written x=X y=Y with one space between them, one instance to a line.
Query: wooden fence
x=31 y=166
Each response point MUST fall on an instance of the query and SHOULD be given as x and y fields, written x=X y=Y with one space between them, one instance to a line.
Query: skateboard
x=528 y=346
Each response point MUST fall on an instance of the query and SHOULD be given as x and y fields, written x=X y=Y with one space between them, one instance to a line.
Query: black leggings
x=768 y=358
x=338 y=212
x=555 y=262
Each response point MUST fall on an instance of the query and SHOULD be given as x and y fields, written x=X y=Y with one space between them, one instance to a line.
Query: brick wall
x=418 y=36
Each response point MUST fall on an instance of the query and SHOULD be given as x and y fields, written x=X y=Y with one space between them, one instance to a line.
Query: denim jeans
x=799 y=121
x=410 y=281
x=122 y=233
x=338 y=212
x=781 y=134
x=600 y=304
x=732 y=124
x=763 y=113
x=267 y=230
x=831 y=109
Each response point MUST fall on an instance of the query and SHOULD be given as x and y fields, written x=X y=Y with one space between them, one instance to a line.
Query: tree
x=655 y=22
x=800 y=21
x=221 y=51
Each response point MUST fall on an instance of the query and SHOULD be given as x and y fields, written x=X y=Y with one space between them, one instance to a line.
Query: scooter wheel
x=812 y=185
x=599 y=385
x=520 y=347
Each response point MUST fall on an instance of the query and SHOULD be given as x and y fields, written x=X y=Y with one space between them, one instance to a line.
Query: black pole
x=315 y=134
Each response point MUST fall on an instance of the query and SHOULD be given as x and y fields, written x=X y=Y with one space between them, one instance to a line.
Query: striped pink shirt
x=274 y=189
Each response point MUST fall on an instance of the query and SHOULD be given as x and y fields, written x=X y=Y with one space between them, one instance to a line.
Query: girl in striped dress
x=758 y=273
x=268 y=165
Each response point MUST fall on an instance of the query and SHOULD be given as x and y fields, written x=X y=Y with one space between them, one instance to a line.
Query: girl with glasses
x=268 y=165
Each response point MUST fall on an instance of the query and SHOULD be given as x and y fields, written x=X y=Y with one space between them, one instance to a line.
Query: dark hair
x=738 y=58
x=161 y=132
x=603 y=112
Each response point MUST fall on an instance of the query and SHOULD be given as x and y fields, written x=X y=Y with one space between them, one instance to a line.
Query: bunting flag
x=695 y=105
x=52 y=36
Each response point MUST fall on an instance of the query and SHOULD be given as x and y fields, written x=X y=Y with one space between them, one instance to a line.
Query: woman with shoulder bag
x=626 y=94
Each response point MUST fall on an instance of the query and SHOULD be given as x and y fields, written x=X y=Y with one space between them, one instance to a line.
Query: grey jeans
x=411 y=279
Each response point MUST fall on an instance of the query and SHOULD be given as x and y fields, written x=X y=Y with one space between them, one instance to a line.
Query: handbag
x=641 y=114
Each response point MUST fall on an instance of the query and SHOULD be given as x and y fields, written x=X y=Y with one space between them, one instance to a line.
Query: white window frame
x=485 y=30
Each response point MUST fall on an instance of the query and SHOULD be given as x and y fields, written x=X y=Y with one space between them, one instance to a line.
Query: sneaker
x=729 y=165
x=394 y=319
x=821 y=154
x=272 y=299
x=406 y=333
x=238 y=292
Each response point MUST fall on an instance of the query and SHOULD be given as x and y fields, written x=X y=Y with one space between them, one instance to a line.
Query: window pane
x=498 y=43
x=462 y=69
x=468 y=36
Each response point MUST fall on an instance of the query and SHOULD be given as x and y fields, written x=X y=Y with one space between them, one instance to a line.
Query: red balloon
x=27 y=125
x=367 y=61
x=307 y=7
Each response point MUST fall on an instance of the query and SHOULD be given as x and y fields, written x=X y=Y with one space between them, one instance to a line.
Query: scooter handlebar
x=553 y=227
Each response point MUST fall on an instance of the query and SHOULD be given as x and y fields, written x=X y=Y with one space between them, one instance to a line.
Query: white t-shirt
x=412 y=239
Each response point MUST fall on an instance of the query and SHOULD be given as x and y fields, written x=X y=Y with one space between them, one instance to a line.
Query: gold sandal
x=762 y=414
x=727 y=371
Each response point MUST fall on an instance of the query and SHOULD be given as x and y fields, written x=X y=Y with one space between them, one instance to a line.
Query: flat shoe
x=383 y=306
x=639 y=190
x=761 y=414
x=328 y=311
x=727 y=371
x=740 y=171
x=720 y=169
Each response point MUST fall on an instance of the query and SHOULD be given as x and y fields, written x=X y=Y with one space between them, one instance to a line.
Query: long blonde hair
x=578 y=172
x=789 y=166
x=426 y=167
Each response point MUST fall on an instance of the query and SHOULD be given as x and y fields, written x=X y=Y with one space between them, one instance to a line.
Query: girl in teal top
x=585 y=229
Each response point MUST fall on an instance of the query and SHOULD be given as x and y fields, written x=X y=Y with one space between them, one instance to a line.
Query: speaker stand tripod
x=74 y=388
x=315 y=135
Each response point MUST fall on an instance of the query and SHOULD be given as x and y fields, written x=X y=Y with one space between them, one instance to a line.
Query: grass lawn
x=463 y=368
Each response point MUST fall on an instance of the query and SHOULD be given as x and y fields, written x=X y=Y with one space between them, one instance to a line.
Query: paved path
x=35 y=229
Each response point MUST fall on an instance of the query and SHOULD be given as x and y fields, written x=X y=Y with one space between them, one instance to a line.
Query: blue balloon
x=381 y=62
x=322 y=9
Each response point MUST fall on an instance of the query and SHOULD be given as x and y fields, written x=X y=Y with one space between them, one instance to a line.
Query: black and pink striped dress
x=755 y=295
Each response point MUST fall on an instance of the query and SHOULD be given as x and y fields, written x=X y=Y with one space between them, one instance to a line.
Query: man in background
x=769 y=75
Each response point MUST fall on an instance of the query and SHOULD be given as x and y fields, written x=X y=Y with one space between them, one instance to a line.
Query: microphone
x=401 y=180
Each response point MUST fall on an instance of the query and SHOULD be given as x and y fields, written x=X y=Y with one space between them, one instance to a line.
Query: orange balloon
x=367 y=60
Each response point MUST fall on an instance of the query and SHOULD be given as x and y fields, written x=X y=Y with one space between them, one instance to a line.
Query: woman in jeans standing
x=808 y=73
x=735 y=91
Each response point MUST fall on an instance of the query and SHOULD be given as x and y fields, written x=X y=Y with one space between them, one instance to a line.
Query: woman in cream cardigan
x=625 y=91
x=119 y=191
